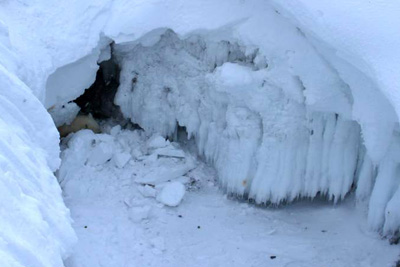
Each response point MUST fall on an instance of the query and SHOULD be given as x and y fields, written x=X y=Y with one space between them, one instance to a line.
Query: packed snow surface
x=120 y=221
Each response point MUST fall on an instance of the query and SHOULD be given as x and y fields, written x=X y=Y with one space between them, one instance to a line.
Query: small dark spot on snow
x=180 y=216
x=272 y=257
x=198 y=227
x=324 y=231
x=24 y=100
x=85 y=226
x=394 y=240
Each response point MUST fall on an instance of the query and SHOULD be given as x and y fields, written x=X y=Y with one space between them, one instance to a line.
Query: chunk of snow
x=100 y=154
x=166 y=172
x=172 y=194
x=147 y=191
x=121 y=159
x=157 y=141
x=170 y=151
x=115 y=130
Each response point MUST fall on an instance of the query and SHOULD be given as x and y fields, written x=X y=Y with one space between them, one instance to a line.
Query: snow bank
x=35 y=225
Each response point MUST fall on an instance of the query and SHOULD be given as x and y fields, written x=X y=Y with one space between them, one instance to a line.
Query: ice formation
x=287 y=99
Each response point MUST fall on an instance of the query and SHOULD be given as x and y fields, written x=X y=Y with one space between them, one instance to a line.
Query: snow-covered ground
x=121 y=221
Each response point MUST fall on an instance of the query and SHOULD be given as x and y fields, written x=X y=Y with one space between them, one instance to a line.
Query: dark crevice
x=98 y=99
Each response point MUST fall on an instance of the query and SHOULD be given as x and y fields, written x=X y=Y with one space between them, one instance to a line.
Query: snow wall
x=35 y=225
x=286 y=99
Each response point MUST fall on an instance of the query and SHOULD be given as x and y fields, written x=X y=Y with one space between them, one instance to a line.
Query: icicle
x=365 y=180
x=386 y=183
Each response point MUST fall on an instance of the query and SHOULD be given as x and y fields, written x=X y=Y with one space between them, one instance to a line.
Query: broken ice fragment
x=120 y=159
x=100 y=154
x=147 y=191
x=172 y=194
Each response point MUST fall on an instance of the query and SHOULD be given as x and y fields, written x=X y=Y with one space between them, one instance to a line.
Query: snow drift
x=286 y=99
x=35 y=226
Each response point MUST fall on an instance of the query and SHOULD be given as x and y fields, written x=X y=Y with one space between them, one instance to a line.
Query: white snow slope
x=35 y=225
x=287 y=99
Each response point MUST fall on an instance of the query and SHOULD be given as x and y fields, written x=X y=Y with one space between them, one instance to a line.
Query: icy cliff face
x=248 y=117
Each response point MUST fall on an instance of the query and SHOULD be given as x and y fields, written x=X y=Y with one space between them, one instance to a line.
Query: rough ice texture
x=279 y=108
x=263 y=140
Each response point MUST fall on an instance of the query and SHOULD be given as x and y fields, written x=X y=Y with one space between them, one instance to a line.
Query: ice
x=115 y=130
x=101 y=154
x=262 y=139
x=172 y=194
x=147 y=191
x=121 y=159
x=157 y=141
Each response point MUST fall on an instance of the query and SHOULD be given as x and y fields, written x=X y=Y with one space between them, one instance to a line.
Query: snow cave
x=187 y=134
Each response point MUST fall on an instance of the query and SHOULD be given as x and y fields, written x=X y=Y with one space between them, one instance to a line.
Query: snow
x=172 y=194
x=35 y=226
x=120 y=222
x=241 y=117
x=121 y=159
x=287 y=100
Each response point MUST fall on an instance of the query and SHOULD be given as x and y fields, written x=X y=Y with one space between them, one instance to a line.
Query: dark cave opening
x=98 y=99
